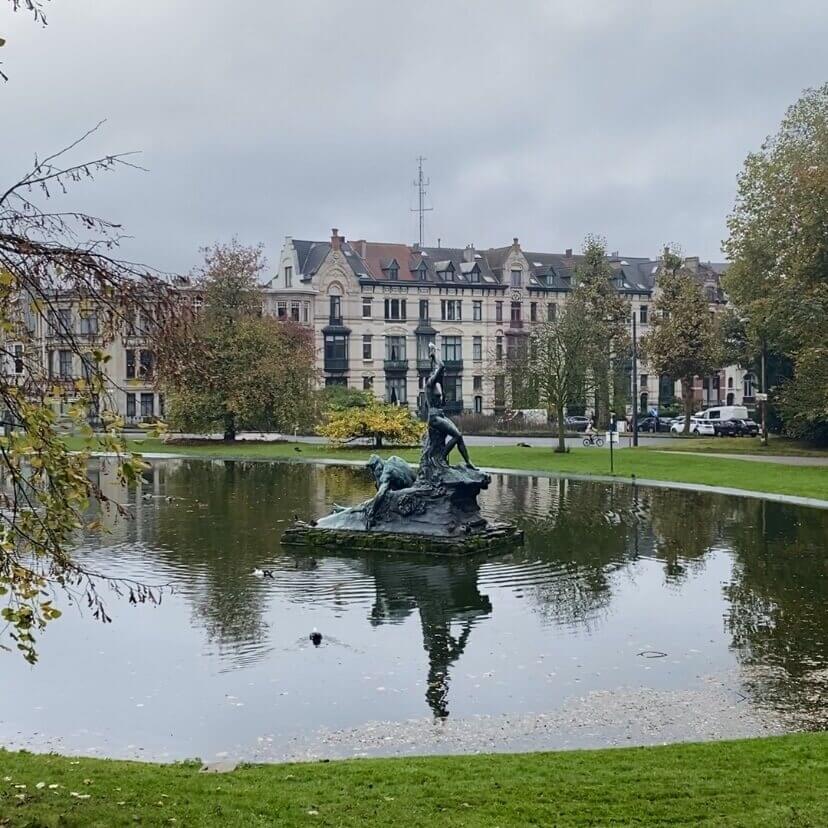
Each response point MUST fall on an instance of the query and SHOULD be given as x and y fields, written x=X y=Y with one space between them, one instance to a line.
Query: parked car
x=746 y=428
x=726 y=428
x=577 y=423
x=654 y=424
x=700 y=427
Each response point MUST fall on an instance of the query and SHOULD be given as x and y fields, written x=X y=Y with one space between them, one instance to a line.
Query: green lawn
x=741 y=445
x=643 y=462
x=760 y=782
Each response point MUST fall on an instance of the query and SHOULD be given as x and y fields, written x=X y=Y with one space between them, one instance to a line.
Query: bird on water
x=316 y=637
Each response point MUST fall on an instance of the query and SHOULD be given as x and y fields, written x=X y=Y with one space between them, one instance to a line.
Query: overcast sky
x=543 y=120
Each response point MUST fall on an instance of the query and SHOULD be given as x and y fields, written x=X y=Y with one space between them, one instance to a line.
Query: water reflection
x=743 y=581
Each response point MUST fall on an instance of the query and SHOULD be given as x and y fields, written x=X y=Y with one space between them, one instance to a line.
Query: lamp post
x=611 y=435
x=634 y=382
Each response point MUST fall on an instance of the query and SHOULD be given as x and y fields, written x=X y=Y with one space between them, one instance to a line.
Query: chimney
x=468 y=253
x=438 y=241
x=516 y=243
x=336 y=239
x=568 y=252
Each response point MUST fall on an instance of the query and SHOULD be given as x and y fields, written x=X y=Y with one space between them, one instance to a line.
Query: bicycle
x=594 y=441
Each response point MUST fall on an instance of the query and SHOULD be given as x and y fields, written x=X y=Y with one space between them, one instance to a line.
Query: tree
x=49 y=259
x=379 y=421
x=607 y=316
x=257 y=372
x=779 y=250
x=558 y=361
x=683 y=340
x=35 y=7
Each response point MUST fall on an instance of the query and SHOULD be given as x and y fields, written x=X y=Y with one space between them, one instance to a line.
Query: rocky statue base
x=434 y=512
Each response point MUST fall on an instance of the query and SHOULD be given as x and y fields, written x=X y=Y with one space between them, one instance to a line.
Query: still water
x=617 y=587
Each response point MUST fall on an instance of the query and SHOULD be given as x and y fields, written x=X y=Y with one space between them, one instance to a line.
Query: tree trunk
x=229 y=427
x=378 y=441
x=561 y=449
x=687 y=397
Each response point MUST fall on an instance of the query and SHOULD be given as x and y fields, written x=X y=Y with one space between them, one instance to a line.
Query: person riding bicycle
x=589 y=431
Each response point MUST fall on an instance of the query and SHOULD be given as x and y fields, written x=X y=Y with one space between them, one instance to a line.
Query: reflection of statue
x=446 y=593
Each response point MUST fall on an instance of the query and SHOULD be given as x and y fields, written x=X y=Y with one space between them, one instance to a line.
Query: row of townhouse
x=376 y=307
x=49 y=351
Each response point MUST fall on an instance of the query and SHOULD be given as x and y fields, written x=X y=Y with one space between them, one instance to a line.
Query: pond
x=632 y=615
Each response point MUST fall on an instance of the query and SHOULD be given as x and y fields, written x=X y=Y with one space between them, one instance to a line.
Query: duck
x=263 y=573
x=296 y=448
x=524 y=445
x=315 y=637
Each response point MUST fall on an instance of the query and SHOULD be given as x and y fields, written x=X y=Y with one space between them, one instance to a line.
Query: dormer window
x=288 y=276
x=391 y=270
x=474 y=276
x=517 y=278
x=447 y=272
x=422 y=272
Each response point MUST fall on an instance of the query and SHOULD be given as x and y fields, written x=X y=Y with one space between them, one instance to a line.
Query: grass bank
x=777 y=446
x=759 y=782
x=644 y=463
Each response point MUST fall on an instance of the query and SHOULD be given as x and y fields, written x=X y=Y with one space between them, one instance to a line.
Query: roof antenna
x=421 y=184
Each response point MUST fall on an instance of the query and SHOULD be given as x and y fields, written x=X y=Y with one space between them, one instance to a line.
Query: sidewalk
x=784 y=460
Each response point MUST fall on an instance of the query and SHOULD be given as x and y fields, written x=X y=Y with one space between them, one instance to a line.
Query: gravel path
x=785 y=460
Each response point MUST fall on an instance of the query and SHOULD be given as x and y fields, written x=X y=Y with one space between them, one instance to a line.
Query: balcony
x=453 y=366
x=396 y=365
x=424 y=365
x=336 y=363
x=516 y=324
x=453 y=406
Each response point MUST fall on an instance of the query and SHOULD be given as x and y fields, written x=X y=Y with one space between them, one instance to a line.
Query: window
x=294 y=311
x=395 y=348
x=422 y=347
x=367 y=347
x=64 y=364
x=395 y=309
x=367 y=383
x=551 y=311
x=336 y=346
x=336 y=310
x=748 y=385
x=642 y=314
x=161 y=405
x=475 y=275
x=498 y=348
x=422 y=272
x=424 y=310
x=305 y=311
x=147 y=405
x=89 y=323
x=477 y=349
x=395 y=390
x=393 y=272
x=533 y=312
x=516 y=277
x=451 y=310
x=130 y=406
x=288 y=275
x=477 y=310
x=477 y=383
x=452 y=349
x=500 y=390
x=130 y=364
x=498 y=311
x=60 y=321
x=281 y=310
x=642 y=381
x=710 y=293
x=515 y=312
x=18 y=359
x=146 y=365
x=453 y=388
x=478 y=405
x=448 y=273
x=367 y=309
x=336 y=382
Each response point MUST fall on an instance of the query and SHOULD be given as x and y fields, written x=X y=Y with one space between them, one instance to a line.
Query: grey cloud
x=539 y=119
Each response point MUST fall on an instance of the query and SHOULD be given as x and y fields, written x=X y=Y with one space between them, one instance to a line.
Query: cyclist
x=589 y=432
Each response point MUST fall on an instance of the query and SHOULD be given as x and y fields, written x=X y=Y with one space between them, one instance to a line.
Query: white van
x=723 y=412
